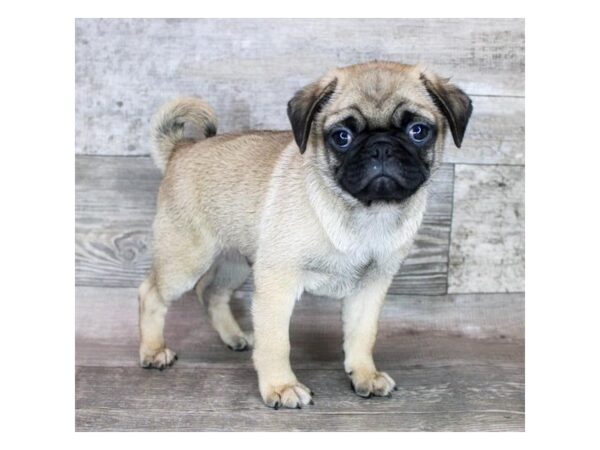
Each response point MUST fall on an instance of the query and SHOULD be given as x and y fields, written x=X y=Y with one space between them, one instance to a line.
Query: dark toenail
x=312 y=402
x=360 y=394
x=299 y=406
x=238 y=348
x=312 y=393
x=276 y=405
x=395 y=387
x=176 y=357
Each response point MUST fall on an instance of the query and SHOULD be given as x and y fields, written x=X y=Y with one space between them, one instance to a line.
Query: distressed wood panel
x=115 y=205
x=458 y=361
x=303 y=420
x=421 y=389
x=425 y=270
x=457 y=398
x=249 y=68
x=115 y=202
x=495 y=134
x=460 y=329
x=487 y=252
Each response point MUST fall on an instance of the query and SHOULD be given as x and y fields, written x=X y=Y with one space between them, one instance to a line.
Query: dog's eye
x=342 y=138
x=419 y=132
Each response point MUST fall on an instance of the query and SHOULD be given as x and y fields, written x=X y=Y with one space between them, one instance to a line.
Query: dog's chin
x=383 y=189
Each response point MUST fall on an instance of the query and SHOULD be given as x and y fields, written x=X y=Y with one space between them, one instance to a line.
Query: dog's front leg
x=360 y=315
x=276 y=292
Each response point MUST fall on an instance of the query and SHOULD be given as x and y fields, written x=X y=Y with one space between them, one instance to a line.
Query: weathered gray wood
x=115 y=205
x=477 y=316
x=249 y=68
x=487 y=252
x=453 y=398
x=495 y=134
x=294 y=420
x=420 y=389
x=488 y=329
x=114 y=208
x=458 y=361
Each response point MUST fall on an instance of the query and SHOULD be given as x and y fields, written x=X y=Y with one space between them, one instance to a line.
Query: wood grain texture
x=115 y=205
x=457 y=328
x=487 y=252
x=461 y=373
x=114 y=209
x=296 y=420
x=495 y=134
x=249 y=68
x=454 y=398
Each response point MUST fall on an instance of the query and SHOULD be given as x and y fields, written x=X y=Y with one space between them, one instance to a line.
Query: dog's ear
x=454 y=104
x=303 y=107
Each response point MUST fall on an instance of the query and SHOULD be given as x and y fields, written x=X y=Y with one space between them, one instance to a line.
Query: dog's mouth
x=384 y=188
x=382 y=185
x=383 y=174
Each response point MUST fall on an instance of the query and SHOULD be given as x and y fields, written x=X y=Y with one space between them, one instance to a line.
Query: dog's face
x=376 y=130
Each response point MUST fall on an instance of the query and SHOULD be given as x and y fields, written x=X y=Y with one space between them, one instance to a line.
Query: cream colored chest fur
x=337 y=248
x=336 y=275
x=369 y=254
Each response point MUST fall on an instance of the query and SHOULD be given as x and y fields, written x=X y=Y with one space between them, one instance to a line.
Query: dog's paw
x=368 y=383
x=293 y=395
x=240 y=343
x=158 y=360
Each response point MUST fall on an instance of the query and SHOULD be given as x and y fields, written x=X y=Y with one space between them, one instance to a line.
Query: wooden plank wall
x=248 y=69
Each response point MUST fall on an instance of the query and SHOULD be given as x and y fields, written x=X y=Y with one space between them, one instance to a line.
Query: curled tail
x=182 y=120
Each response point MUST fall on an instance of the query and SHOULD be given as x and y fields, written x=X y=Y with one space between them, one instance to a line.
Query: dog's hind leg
x=228 y=273
x=180 y=259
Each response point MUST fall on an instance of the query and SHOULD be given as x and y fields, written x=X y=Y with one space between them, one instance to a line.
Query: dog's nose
x=380 y=150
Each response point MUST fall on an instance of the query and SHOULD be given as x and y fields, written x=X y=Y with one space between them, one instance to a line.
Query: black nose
x=380 y=146
x=380 y=150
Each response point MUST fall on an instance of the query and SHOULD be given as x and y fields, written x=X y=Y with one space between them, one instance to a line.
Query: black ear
x=303 y=107
x=453 y=103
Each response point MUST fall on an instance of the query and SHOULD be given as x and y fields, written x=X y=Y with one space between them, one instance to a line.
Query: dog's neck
x=352 y=226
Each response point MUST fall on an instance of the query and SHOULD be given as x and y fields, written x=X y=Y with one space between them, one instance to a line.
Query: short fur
x=270 y=200
x=185 y=119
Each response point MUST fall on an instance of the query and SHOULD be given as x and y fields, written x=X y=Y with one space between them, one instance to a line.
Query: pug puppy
x=330 y=208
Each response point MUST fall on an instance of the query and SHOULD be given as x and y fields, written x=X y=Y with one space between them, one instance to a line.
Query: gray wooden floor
x=464 y=374
x=452 y=331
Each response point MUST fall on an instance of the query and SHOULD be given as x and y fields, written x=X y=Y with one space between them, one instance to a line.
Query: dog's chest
x=333 y=276
x=354 y=249
x=337 y=274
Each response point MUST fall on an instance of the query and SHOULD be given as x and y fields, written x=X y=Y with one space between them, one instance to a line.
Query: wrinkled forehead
x=379 y=98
